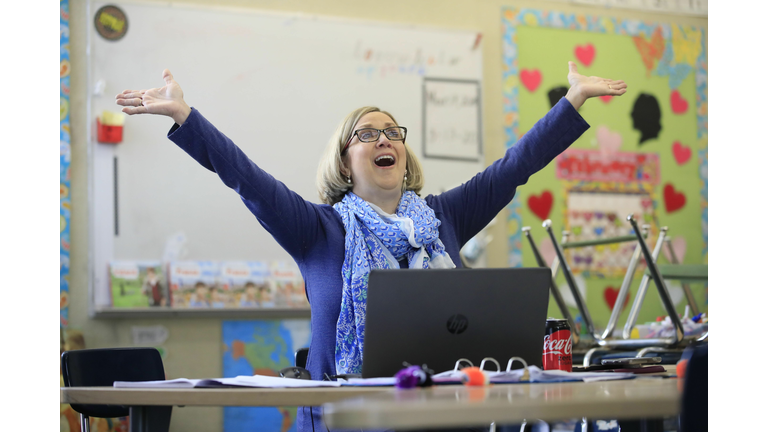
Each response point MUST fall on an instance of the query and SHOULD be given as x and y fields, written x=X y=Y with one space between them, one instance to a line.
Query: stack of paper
x=238 y=381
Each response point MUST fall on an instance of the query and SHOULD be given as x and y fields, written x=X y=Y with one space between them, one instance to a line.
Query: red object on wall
x=531 y=79
x=610 y=295
x=541 y=205
x=673 y=200
x=108 y=134
x=585 y=53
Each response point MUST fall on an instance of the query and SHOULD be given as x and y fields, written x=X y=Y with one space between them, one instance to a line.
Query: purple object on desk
x=413 y=376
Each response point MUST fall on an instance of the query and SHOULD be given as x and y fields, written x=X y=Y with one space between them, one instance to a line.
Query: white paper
x=149 y=335
x=262 y=381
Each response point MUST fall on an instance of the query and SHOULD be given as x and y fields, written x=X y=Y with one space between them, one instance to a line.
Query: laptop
x=438 y=316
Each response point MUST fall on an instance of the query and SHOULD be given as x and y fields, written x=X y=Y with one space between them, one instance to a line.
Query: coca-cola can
x=558 y=345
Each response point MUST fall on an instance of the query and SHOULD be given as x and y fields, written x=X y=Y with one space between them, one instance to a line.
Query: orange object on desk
x=475 y=377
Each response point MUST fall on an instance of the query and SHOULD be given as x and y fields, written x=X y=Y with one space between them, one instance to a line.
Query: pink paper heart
x=681 y=153
x=678 y=245
x=547 y=251
x=678 y=103
x=585 y=53
x=606 y=98
x=530 y=78
x=609 y=142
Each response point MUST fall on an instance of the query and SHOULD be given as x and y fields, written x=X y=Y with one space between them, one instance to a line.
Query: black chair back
x=102 y=367
x=693 y=412
x=301 y=357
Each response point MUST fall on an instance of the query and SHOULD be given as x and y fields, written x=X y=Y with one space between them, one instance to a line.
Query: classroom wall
x=194 y=345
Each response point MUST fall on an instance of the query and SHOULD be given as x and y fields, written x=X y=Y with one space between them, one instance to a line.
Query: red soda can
x=557 y=346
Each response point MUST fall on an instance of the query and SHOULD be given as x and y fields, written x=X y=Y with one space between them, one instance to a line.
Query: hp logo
x=457 y=324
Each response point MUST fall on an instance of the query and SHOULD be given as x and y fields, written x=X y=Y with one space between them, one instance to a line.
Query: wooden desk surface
x=456 y=406
x=213 y=396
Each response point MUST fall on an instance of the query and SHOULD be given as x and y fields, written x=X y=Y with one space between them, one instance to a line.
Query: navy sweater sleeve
x=471 y=206
x=291 y=220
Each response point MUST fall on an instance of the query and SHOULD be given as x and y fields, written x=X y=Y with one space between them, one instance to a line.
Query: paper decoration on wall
x=608 y=142
x=585 y=53
x=686 y=42
x=599 y=215
x=541 y=205
x=679 y=245
x=676 y=293
x=678 y=103
x=593 y=165
x=668 y=67
x=610 y=294
x=646 y=117
x=682 y=153
x=555 y=94
x=547 y=250
x=673 y=200
x=650 y=51
x=606 y=98
x=565 y=291
x=65 y=160
x=531 y=79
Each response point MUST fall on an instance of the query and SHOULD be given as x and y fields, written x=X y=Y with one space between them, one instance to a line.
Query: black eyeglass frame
x=405 y=133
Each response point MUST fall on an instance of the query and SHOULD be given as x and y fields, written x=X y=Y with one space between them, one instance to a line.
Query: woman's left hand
x=583 y=87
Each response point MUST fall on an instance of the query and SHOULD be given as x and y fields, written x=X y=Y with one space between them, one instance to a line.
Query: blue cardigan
x=313 y=234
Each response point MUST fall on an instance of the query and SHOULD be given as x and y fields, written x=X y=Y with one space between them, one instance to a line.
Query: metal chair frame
x=602 y=342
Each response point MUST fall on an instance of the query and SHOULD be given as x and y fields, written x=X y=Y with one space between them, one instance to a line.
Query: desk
x=457 y=406
x=150 y=409
x=386 y=407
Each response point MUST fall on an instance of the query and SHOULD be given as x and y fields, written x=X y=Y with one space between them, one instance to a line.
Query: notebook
x=437 y=316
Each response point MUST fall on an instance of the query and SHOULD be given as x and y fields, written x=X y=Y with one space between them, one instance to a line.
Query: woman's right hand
x=167 y=100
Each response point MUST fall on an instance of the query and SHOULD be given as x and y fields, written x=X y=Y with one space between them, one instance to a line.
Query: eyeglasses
x=368 y=135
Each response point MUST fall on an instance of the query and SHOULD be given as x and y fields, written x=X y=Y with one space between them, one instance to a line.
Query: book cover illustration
x=136 y=284
x=193 y=284
x=248 y=283
x=288 y=285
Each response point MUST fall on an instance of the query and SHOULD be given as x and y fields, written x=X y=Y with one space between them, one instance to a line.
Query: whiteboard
x=277 y=85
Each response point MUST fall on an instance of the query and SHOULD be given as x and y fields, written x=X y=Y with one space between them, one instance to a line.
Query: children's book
x=193 y=284
x=248 y=283
x=288 y=285
x=137 y=284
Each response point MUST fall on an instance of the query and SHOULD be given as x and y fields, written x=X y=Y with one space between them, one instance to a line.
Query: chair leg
x=85 y=423
x=577 y=297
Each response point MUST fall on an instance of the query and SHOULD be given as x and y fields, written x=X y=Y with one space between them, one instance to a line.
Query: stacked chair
x=595 y=342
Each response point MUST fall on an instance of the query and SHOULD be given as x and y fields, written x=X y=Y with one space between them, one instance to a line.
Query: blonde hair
x=332 y=183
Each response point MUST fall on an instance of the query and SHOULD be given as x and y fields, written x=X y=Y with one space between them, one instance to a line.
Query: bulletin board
x=645 y=152
x=277 y=84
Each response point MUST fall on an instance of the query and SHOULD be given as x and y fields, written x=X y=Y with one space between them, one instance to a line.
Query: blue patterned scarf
x=375 y=240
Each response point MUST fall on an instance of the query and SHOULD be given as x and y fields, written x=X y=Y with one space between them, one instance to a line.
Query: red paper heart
x=530 y=78
x=606 y=98
x=673 y=200
x=679 y=105
x=610 y=294
x=541 y=205
x=585 y=53
x=682 y=153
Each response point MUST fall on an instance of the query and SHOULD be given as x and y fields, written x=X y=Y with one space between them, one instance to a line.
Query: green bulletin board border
x=513 y=18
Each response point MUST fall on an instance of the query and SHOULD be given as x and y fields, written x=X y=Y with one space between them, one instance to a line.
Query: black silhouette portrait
x=646 y=117
x=555 y=94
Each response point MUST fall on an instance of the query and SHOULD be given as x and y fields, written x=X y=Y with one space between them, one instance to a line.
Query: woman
x=372 y=216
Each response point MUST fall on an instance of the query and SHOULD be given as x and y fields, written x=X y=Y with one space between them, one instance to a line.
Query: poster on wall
x=645 y=153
